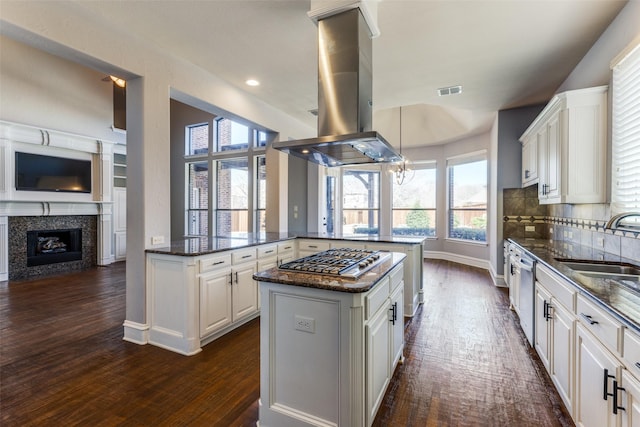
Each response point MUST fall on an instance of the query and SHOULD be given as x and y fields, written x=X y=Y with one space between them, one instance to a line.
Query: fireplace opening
x=53 y=246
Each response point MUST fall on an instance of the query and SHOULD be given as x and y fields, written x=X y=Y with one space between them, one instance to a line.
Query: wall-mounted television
x=36 y=172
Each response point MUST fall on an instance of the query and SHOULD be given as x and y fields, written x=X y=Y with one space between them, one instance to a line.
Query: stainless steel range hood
x=345 y=136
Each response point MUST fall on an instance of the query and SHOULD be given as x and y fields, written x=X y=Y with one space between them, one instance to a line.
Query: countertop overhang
x=332 y=283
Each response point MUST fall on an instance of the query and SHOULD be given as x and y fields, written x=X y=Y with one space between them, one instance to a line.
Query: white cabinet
x=571 y=139
x=529 y=161
x=596 y=369
x=244 y=291
x=542 y=325
x=308 y=247
x=349 y=352
x=286 y=251
x=120 y=223
x=215 y=301
x=631 y=404
x=562 y=339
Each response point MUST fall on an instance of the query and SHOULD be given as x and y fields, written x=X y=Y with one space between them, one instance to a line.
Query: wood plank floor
x=63 y=362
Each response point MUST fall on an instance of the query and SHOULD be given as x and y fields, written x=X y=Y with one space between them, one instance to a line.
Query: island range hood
x=345 y=136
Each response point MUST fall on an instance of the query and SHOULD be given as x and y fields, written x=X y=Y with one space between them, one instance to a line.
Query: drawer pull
x=589 y=319
x=313 y=246
x=287 y=247
x=638 y=365
x=269 y=252
x=246 y=256
x=218 y=263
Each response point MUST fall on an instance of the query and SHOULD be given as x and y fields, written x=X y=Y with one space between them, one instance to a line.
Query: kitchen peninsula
x=329 y=344
x=198 y=289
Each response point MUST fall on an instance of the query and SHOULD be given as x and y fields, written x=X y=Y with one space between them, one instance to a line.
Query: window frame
x=376 y=210
x=423 y=165
x=463 y=159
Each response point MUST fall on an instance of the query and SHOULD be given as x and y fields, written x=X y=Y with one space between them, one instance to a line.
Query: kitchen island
x=201 y=288
x=329 y=345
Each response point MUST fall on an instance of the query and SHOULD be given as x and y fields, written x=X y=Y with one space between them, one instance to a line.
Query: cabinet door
x=631 y=404
x=529 y=162
x=397 y=326
x=543 y=163
x=542 y=325
x=215 y=301
x=378 y=361
x=593 y=364
x=245 y=290
x=554 y=156
x=562 y=339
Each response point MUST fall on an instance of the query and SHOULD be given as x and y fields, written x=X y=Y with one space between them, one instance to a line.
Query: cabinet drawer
x=600 y=323
x=377 y=297
x=267 y=251
x=396 y=278
x=631 y=351
x=214 y=262
x=563 y=291
x=313 y=245
x=244 y=255
x=286 y=247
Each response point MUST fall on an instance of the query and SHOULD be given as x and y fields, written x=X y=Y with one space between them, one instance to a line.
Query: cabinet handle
x=511 y=268
x=269 y=252
x=606 y=393
x=638 y=365
x=231 y=278
x=287 y=247
x=526 y=173
x=236 y=277
x=545 y=189
x=313 y=246
x=394 y=313
x=246 y=256
x=589 y=319
x=615 y=397
x=545 y=311
x=218 y=263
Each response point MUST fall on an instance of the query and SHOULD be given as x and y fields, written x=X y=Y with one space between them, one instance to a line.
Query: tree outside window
x=467 y=198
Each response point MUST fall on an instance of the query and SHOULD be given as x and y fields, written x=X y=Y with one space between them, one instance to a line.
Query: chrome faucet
x=614 y=222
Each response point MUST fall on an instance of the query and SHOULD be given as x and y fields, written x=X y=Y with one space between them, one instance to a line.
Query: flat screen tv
x=35 y=172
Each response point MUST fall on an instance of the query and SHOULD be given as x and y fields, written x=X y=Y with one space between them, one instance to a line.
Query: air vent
x=450 y=90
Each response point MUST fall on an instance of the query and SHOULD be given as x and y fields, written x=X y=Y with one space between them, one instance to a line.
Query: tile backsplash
x=579 y=227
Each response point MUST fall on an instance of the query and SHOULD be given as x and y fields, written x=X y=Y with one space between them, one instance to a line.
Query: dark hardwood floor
x=63 y=361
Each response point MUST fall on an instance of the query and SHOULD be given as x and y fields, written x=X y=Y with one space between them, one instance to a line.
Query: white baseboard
x=136 y=333
x=497 y=279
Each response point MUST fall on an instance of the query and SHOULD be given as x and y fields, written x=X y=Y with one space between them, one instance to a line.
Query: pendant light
x=402 y=171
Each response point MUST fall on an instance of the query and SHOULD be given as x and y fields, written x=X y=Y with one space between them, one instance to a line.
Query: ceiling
x=505 y=53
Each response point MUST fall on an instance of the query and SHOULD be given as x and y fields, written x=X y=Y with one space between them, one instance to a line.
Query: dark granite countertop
x=195 y=246
x=618 y=299
x=369 y=238
x=341 y=284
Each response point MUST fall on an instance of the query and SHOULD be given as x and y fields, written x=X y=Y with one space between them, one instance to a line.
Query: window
x=414 y=203
x=197 y=139
x=235 y=203
x=467 y=197
x=198 y=199
x=626 y=135
x=361 y=200
x=261 y=193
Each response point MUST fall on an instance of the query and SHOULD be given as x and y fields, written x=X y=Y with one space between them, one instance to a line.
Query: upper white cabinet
x=529 y=161
x=570 y=138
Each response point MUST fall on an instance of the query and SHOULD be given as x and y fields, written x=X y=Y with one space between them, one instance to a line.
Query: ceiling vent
x=450 y=90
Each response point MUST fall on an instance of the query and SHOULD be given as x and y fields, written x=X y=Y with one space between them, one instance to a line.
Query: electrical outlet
x=529 y=228
x=157 y=240
x=305 y=324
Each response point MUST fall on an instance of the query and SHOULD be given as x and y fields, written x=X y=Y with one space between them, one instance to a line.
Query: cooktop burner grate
x=336 y=262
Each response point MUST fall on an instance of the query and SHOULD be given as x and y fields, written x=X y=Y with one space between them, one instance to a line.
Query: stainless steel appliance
x=341 y=262
x=527 y=295
x=345 y=135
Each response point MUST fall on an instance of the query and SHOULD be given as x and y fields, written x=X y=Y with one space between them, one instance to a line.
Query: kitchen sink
x=604 y=269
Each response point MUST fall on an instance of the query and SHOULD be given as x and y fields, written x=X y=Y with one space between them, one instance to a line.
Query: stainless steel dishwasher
x=527 y=295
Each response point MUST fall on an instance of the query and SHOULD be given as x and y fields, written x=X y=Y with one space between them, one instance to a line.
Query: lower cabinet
x=215 y=302
x=244 y=291
x=631 y=389
x=378 y=360
x=542 y=326
x=597 y=372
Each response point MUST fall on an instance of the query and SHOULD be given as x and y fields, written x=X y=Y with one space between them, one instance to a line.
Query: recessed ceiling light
x=252 y=82
x=450 y=90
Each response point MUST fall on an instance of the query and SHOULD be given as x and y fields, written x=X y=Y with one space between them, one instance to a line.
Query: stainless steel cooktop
x=339 y=262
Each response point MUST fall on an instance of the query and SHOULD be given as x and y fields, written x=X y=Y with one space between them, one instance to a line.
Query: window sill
x=466 y=242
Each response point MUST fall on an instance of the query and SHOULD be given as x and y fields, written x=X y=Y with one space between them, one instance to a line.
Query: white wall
x=66 y=29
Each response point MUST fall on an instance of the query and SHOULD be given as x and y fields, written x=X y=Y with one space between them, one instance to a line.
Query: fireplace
x=42 y=246
x=53 y=246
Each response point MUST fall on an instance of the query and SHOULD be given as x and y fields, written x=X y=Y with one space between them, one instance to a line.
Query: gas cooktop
x=341 y=262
